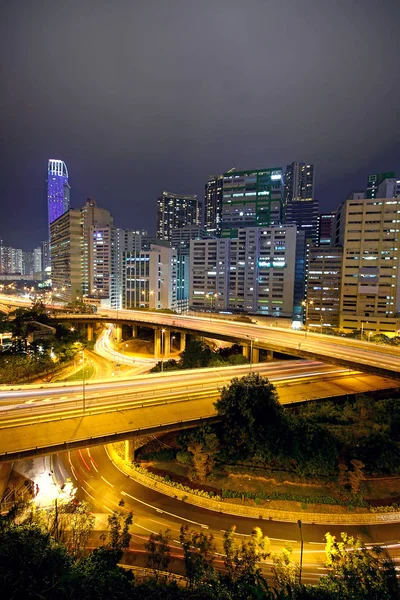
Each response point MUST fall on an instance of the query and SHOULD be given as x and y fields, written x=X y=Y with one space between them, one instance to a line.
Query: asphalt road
x=104 y=485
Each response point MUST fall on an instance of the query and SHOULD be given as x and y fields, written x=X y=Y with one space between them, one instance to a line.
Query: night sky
x=140 y=96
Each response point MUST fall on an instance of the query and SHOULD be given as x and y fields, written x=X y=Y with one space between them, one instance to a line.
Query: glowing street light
x=307 y=304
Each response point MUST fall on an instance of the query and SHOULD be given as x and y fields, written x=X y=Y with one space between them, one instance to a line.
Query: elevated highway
x=52 y=418
x=353 y=354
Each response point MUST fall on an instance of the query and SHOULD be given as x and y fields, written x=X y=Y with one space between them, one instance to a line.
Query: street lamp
x=362 y=329
x=301 y=549
x=251 y=351
x=162 y=350
x=307 y=304
x=83 y=380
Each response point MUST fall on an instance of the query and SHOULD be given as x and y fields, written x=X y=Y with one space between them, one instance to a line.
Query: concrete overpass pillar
x=167 y=343
x=118 y=333
x=256 y=356
x=129 y=450
x=157 y=343
x=246 y=351
x=182 y=342
x=90 y=332
x=270 y=355
x=134 y=331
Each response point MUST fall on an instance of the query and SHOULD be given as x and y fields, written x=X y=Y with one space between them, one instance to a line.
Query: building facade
x=323 y=287
x=58 y=189
x=375 y=180
x=209 y=268
x=251 y=199
x=176 y=210
x=213 y=204
x=11 y=261
x=326 y=229
x=300 y=205
x=66 y=239
x=370 y=283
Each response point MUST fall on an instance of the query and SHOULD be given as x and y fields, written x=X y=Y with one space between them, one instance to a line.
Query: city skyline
x=171 y=95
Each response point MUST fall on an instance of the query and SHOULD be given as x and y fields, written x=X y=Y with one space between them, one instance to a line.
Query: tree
x=204 y=448
x=118 y=524
x=198 y=553
x=77 y=524
x=356 y=475
x=158 y=551
x=286 y=572
x=253 y=421
x=32 y=564
x=358 y=573
x=242 y=561
x=196 y=355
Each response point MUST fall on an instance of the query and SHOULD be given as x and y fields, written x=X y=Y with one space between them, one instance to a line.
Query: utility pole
x=299 y=523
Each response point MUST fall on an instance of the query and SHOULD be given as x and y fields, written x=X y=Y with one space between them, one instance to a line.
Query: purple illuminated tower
x=58 y=189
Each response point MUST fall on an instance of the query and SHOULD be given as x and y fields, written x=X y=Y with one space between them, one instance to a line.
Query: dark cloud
x=138 y=96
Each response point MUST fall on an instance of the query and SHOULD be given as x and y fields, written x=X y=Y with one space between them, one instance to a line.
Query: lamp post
x=83 y=380
x=362 y=329
x=306 y=304
x=162 y=350
x=301 y=549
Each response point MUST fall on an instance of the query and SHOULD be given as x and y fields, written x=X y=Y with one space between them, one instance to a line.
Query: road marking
x=104 y=479
x=90 y=495
x=109 y=509
x=165 y=511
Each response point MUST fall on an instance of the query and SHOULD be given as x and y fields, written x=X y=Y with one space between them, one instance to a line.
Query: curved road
x=102 y=484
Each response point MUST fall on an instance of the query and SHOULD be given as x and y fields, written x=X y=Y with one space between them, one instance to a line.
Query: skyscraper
x=300 y=206
x=213 y=204
x=251 y=199
x=58 y=190
x=176 y=210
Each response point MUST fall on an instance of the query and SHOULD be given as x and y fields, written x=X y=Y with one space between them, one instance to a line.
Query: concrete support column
x=246 y=351
x=118 y=333
x=270 y=354
x=129 y=450
x=90 y=332
x=157 y=343
x=167 y=343
x=256 y=356
x=134 y=331
x=182 y=342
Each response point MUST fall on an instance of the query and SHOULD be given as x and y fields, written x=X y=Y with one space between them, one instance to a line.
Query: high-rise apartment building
x=389 y=188
x=251 y=198
x=176 y=210
x=370 y=283
x=27 y=263
x=323 y=287
x=46 y=255
x=58 y=189
x=213 y=204
x=180 y=240
x=300 y=205
x=11 y=261
x=66 y=240
x=209 y=268
x=375 y=180
x=37 y=260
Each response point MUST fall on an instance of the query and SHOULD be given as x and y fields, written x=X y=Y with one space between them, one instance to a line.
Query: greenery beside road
x=24 y=360
x=43 y=554
x=198 y=354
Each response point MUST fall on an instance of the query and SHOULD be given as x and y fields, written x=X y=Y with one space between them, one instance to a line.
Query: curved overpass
x=353 y=354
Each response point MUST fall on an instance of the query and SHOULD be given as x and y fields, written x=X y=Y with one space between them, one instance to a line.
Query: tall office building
x=45 y=255
x=300 y=205
x=37 y=260
x=150 y=278
x=213 y=204
x=323 y=287
x=389 y=188
x=370 y=283
x=375 y=180
x=253 y=272
x=93 y=217
x=27 y=263
x=66 y=256
x=180 y=241
x=251 y=199
x=176 y=210
x=58 y=189
x=326 y=229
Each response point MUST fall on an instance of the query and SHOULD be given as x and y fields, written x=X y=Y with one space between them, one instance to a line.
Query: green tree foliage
x=196 y=355
x=32 y=564
x=198 y=553
x=242 y=561
x=286 y=572
x=358 y=573
x=203 y=446
x=253 y=420
x=158 y=551
x=118 y=534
